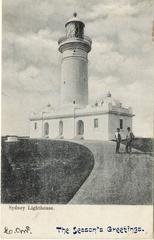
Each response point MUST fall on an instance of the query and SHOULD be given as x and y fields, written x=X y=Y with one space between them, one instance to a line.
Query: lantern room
x=74 y=27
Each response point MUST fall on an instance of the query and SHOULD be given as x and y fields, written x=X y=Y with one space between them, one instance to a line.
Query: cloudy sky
x=121 y=59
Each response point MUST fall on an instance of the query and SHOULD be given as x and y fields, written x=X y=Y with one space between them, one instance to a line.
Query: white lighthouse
x=74 y=47
x=75 y=117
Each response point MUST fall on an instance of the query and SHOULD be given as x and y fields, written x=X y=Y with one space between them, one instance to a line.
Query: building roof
x=109 y=99
x=109 y=106
x=106 y=99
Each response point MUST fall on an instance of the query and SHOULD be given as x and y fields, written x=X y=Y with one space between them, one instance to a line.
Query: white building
x=75 y=118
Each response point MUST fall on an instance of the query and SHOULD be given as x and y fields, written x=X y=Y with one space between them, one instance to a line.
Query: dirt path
x=116 y=178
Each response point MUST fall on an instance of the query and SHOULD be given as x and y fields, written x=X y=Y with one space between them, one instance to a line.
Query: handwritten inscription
x=17 y=230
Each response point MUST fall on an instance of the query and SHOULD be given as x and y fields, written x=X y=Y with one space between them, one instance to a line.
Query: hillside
x=43 y=171
x=116 y=178
x=75 y=172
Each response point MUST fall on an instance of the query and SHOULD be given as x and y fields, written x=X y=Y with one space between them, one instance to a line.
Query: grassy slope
x=143 y=144
x=43 y=171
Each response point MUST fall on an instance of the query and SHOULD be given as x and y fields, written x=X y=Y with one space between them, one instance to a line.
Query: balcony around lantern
x=66 y=39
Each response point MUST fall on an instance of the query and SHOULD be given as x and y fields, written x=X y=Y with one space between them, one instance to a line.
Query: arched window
x=46 y=129
x=80 y=127
x=60 y=128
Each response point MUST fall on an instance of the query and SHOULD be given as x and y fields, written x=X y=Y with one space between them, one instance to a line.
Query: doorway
x=80 y=127
x=46 y=129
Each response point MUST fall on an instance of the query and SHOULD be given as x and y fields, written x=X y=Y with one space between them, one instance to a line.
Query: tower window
x=64 y=82
x=121 y=123
x=35 y=126
x=96 y=123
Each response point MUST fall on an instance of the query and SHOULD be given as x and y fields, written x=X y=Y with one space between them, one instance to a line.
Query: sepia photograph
x=77 y=102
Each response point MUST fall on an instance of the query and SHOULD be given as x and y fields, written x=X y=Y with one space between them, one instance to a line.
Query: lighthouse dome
x=109 y=99
x=74 y=19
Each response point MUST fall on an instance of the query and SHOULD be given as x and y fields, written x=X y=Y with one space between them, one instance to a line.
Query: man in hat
x=118 y=139
x=129 y=140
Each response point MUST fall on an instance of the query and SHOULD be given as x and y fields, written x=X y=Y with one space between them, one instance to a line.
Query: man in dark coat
x=129 y=140
x=118 y=139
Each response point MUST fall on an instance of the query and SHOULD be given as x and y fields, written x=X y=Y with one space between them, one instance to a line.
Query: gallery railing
x=65 y=38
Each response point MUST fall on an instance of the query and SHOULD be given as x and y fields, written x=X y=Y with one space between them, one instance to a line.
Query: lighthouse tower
x=75 y=118
x=74 y=47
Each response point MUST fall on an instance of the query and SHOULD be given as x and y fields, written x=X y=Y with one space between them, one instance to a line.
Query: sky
x=121 y=60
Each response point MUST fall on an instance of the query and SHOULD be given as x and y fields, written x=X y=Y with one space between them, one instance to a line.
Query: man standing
x=129 y=139
x=118 y=139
